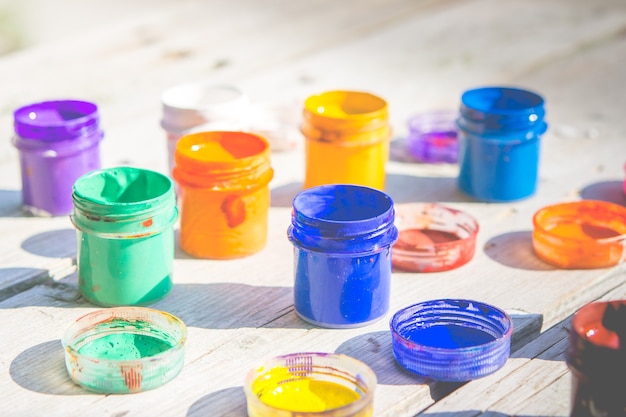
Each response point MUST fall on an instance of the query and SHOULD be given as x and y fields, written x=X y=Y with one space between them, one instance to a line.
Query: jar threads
x=124 y=216
x=342 y=236
x=499 y=131
x=224 y=193
x=348 y=131
x=58 y=141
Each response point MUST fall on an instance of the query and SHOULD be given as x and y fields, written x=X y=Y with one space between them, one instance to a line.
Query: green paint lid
x=124 y=350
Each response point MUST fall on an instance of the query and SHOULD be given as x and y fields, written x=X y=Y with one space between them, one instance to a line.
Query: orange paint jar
x=347 y=139
x=224 y=195
x=580 y=235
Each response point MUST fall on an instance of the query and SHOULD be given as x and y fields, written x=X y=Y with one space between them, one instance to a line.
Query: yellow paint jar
x=224 y=195
x=311 y=384
x=347 y=139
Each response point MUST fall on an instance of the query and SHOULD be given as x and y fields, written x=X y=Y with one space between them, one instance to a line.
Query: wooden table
x=419 y=55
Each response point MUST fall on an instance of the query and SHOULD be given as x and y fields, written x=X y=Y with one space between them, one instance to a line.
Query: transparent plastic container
x=451 y=339
x=433 y=237
x=499 y=132
x=580 y=235
x=123 y=216
x=224 y=194
x=124 y=349
x=311 y=385
x=58 y=141
x=342 y=236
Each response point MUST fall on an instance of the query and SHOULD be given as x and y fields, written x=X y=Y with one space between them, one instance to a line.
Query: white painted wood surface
x=419 y=55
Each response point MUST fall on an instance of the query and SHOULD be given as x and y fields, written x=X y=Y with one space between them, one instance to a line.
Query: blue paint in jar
x=342 y=236
x=499 y=131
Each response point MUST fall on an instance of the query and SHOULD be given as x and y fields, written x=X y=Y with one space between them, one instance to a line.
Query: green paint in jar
x=124 y=218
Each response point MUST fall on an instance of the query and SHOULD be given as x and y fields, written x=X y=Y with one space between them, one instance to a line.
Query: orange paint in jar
x=347 y=139
x=580 y=235
x=224 y=194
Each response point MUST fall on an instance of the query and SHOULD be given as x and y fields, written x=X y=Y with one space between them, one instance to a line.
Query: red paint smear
x=147 y=223
x=234 y=209
x=418 y=238
x=132 y=376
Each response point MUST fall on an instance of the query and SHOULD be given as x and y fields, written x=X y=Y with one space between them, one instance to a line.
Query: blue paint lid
x=451 y=339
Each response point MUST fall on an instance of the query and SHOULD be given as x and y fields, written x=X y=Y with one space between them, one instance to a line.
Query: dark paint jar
x=596 y=356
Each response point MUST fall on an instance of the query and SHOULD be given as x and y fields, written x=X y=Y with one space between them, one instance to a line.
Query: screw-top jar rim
x=223 y=160
x=124 y=201
x=56 y=120
x=496 y=110
x=345 y=110
x=328 y=216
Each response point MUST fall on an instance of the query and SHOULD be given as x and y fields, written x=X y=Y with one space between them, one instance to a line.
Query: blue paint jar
x=342 y=236
x=499 y=132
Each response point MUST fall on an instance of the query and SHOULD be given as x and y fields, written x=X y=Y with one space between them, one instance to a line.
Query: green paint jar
x=125 y=226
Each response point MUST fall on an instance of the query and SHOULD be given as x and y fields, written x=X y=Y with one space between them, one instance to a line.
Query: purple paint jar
x=342 y=237
x=433 y=137
x=58 y=141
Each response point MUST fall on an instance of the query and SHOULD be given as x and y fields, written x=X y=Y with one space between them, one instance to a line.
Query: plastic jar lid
x=219 y=107
x=124 y=349
x=451 y=339
x=433 y=237
x=311 y=384
x=581 y=234
x=433 y=137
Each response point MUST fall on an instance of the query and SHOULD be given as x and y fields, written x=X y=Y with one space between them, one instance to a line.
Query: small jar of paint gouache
x=433 y=237
x=342 y=237
x=124 y=350
x=224 y=193
x=347 y=139
x=596 y=358
x=499 y=131
x=580 y=235
x=312 y=385
x=125 y=225
x=58 y=141
x=433 y=137
x=202 y=106
x=451 y=339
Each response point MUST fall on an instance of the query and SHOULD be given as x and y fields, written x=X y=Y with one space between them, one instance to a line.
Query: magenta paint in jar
x=58 y=141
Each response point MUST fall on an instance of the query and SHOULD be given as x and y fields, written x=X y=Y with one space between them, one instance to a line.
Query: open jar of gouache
x=124 y=349
x=312 y=385
x=433 y=137
x=451 y=339
x=580 y=235
x=433 y=237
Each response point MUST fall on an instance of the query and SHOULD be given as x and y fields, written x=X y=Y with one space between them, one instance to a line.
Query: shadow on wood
x=610 y=191
x=59 y=243
x=41 y=368
x=515 y=249
x=226 y=403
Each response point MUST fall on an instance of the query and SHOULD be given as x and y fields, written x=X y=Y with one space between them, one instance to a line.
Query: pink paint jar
x=58 y=142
